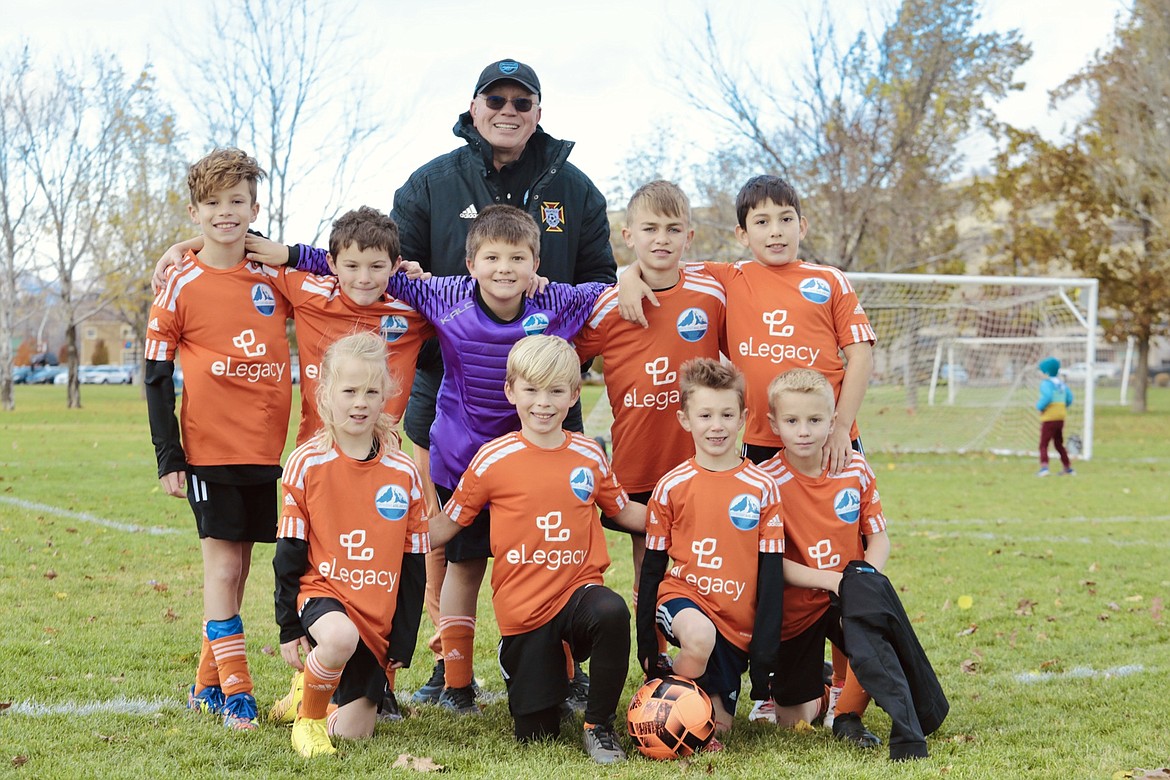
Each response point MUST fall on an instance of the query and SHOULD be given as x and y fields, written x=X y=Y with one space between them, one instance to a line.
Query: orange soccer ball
x=670 y=718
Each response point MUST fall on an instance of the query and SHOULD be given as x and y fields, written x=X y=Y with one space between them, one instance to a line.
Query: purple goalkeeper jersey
x=471 y=409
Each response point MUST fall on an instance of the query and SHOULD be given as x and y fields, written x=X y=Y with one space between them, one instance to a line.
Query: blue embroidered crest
x=553 y=216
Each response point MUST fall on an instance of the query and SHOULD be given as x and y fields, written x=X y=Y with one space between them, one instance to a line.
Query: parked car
x=104 y=375
x=953 y=372
x=45 y=375
x=1079 y=372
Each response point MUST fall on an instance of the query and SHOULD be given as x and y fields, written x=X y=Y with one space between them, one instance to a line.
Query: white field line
x=118 y=706
x=86 y=517
x=1080 y=673
x=1008 y=521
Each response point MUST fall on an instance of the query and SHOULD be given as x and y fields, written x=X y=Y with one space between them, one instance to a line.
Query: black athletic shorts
x=233 y=513
x=725 y=665
x=474 y=542
x=802 y=659
x=363 y=676
x=607 y=521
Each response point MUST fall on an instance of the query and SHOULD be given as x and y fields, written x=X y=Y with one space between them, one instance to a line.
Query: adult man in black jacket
x=507 y=158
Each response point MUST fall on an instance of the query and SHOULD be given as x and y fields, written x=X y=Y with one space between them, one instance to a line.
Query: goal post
x=956 y=356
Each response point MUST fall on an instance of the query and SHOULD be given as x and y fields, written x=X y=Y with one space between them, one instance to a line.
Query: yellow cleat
x=311 y=738
x=285 y=709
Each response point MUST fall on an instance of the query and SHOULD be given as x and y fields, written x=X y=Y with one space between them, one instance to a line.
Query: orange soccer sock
x=458 y=635
x=320 y=683
x=227 y=644
x=207 y=674
x=840 y=664
x=853 y=697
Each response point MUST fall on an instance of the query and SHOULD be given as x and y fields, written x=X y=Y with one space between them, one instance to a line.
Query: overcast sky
x=605 y=66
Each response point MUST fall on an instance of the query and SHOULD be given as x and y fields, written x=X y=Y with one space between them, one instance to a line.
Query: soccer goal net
x=955 y=364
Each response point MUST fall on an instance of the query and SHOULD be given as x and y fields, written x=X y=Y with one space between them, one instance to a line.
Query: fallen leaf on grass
x=1093 y=567
x=109 y=737
x=1149 y=774
x=803 y=727
x=1156 y=609
x=5 y=705
x=50 y=575
x=1024 y=607
x=964 y=602
x=267 y=650
x=1104 y=616
x=19 y=760
x=969 y=630
x=170 y=615
x=1113 y=606
x=1052 y=664
x=50 y=630
x=960 y=738
x=969 y=666
x=417 y=763
x=1135 y=597
x=161 y=587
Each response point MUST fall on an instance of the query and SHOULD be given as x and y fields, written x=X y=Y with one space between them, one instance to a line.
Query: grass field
x=1058 y=667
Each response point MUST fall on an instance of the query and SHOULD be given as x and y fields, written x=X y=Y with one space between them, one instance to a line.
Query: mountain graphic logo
x=392 y=502
x=744 y=512
x=815 y=290
x=847 y=505
x=692 y=324
x=263 y=299
x=581 y=483
x=535 y=324
x=393 y=327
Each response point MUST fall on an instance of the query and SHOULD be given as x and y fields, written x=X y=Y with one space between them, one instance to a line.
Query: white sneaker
x=763 y=710
x=834 y=694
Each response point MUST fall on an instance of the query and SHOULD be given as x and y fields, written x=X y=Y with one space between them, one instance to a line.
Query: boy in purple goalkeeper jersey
x=478 y=319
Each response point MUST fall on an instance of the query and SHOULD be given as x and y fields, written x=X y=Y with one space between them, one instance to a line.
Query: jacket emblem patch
x=553 y=216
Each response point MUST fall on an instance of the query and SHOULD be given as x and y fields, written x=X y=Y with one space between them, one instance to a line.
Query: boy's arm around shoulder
x=764 y=648
x=442 y=529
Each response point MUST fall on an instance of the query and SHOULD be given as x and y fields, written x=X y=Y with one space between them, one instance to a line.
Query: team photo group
x=440 y=351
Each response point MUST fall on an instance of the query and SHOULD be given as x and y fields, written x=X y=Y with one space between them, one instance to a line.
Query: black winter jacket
x=888 y=660
x=435 y=206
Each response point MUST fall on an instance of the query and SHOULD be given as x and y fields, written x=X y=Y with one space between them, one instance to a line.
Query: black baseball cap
x=508 y=70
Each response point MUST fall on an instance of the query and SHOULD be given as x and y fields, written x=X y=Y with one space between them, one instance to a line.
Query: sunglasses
x=496 y=102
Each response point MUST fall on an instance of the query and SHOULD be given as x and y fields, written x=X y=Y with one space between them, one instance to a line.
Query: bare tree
x=266 y=70
x=76 y=131
x=869 y=132
x=148 y=209
x=16 y=201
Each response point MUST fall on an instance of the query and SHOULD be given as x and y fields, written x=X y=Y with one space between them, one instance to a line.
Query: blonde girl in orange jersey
x=349 y=561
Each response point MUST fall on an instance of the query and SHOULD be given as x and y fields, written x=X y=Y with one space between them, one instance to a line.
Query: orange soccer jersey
x=641 y=371
x=713 y=524
x=359 y=518
x=227 y=326
x=798 y=315
x=546 y=534
x=323 y=315
x=825 y=520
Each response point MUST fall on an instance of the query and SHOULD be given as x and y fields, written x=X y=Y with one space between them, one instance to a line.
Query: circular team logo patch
x=393 y=327
x=535 y=324
x=581 y=483
x=847 y=505
x=815 y=290
x=744 y=512
x=692 y=324
x=263 y=299
x=392 y=502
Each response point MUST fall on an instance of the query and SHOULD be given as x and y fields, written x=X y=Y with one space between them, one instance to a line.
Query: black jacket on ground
x=888 y=660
